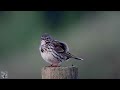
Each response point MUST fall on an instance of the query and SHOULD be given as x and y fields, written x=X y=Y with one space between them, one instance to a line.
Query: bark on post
x=60 y=72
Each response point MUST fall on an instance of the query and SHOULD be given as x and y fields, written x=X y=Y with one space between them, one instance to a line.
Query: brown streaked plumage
x=54 y=51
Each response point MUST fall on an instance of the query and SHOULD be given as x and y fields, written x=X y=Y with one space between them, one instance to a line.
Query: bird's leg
x=50 y=65
x=54 y=65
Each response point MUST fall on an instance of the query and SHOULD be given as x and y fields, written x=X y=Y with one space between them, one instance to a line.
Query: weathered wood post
x=70 y=72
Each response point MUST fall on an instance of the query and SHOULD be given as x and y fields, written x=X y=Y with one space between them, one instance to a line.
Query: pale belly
x=48 y=57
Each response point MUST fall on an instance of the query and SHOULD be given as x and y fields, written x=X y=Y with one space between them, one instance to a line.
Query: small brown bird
x=54 y=51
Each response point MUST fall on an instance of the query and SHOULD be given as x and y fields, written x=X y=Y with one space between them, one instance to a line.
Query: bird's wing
x=60 y=46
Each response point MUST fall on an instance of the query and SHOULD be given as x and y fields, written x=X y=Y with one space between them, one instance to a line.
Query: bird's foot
x=54 y=65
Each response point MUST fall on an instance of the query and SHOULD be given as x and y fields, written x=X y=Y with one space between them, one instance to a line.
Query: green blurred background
x=91 y=35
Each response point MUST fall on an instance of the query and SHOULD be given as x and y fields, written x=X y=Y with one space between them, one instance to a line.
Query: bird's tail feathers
x=77 y=58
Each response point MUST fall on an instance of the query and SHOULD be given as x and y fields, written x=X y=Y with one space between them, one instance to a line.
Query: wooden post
x=70 y=72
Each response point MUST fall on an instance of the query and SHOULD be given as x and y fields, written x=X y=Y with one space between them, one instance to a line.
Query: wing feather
x=60 y=47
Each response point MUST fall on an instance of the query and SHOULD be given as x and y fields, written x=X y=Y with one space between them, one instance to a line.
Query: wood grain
x=70 y=72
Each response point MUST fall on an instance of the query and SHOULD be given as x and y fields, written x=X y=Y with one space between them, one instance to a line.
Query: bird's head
x=46 y=38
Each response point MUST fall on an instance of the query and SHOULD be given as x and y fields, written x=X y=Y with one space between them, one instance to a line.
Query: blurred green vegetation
x=92 y=35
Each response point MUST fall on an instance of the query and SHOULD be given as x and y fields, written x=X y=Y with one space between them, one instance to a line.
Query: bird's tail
x=77 y=58
x=72 y=56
